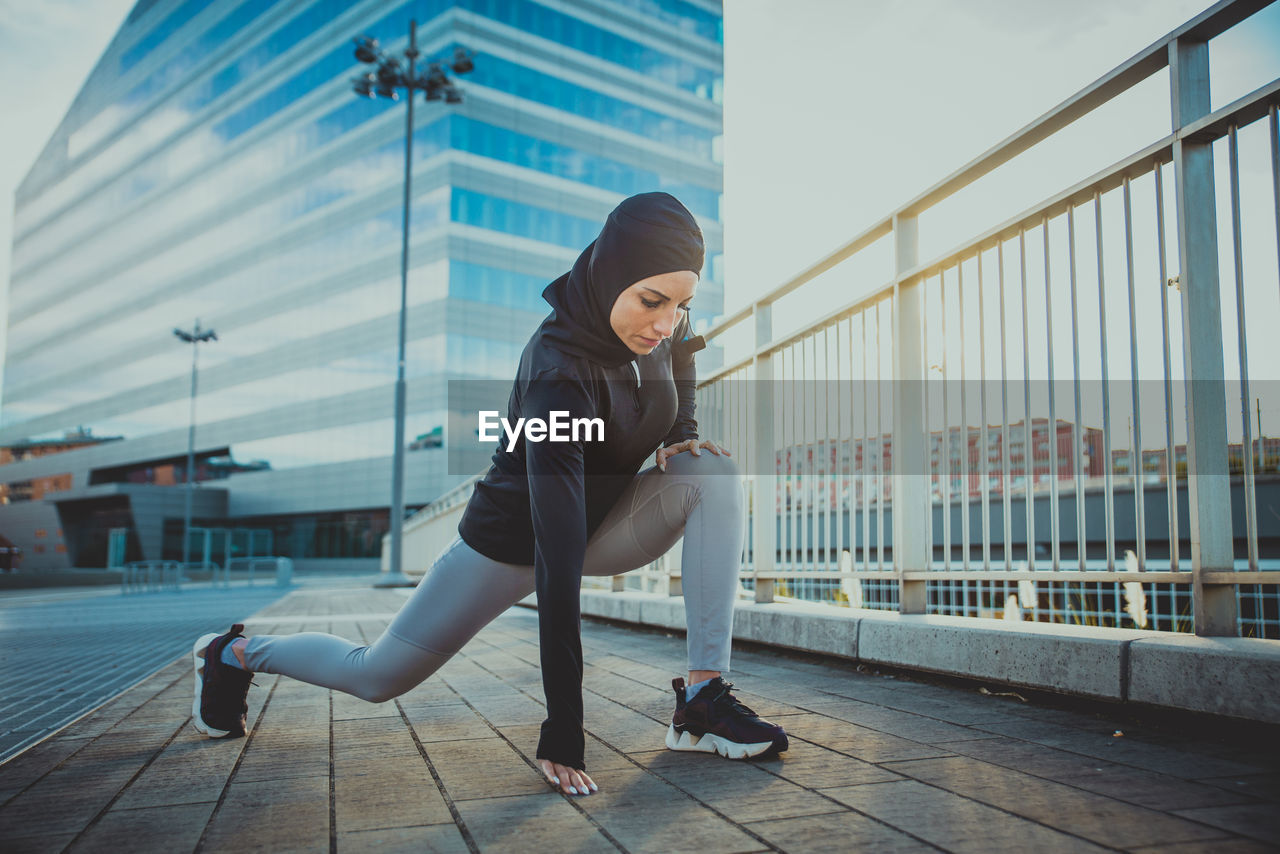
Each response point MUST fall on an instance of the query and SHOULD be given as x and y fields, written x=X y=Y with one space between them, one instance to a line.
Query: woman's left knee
x=715 y=477
x=714 y=467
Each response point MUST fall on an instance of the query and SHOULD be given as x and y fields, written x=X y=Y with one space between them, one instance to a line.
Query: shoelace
x=731 y=702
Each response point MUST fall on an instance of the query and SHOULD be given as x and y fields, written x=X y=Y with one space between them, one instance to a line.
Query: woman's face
x=648 y=311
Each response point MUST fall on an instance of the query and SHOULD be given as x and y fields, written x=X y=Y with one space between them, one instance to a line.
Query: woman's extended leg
x=461 y=593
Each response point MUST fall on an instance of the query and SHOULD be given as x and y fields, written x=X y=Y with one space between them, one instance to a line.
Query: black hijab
x=646 y=235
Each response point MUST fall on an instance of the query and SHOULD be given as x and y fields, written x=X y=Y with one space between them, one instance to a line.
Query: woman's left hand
x=568 y=780
x=691 y=445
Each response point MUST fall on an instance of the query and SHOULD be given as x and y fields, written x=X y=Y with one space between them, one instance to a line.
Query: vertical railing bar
x=1246 y=447
x=982 y=426
x=879 y=446
x=1054 y=497
x=793 y=445
x=852 y=543
x=1077 y=423
x=1136 y=463
x=803 y=541
x=1274 y=115
x=964 y=426
x=839 y=465
x=855 y=494
x=792 y=455
x=1170 y=459
x=1028 y=455
x=825 y=432
x=810 y=342
x=748 y=450
x=1006 y=502
x=811 y=457
x=945 y=461
x=866 y=454
x=1107 y=482
x=855 y=500
x=821 y=389
x=928 y=433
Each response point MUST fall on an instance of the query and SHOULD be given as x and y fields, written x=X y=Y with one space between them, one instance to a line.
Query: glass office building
x=218 y=166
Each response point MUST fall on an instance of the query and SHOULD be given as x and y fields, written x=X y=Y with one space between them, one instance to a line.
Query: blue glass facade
x=217 y=166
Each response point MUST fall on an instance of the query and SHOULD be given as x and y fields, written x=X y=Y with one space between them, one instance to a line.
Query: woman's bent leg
x=701 y=498
x=461 y=593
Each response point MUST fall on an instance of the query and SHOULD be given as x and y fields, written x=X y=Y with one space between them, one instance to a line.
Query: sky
x=47 y=49
x=836 y=111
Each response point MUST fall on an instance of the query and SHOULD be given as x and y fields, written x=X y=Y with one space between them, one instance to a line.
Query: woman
x=546 y=513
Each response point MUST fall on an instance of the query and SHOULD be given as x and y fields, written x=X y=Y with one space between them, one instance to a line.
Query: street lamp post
x=194 y=337
x=389 y=77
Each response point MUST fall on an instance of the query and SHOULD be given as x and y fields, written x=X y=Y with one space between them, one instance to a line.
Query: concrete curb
x=1235 y=677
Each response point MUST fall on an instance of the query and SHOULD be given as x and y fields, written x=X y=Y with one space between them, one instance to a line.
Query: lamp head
x=462 y=60
x=366 y=49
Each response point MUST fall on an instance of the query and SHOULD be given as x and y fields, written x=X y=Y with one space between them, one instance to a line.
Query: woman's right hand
x=571 y=781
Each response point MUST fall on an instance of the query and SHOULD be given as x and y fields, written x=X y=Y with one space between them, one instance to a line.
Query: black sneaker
x=715 y=721
x=219 y=709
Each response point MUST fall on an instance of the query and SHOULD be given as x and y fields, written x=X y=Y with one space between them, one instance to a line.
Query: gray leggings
x=699 y=496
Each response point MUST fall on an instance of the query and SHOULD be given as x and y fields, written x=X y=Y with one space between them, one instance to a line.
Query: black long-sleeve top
x=540 y=502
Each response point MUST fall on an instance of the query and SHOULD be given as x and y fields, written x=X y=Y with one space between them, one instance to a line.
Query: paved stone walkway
x=71 y=633
x=876 y=764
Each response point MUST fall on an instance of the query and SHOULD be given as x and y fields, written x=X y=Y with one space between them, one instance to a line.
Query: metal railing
x=897 y=489
x=923 y=446
x=149 y=576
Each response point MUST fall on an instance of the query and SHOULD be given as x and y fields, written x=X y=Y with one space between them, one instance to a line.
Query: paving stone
x=371 y=738
x=1145 y=788
x=445 y=722
x=907 y=725
x=432 y=839
x=1100 y=743
x=1233 y=845
x=266 y=761
x=387 y=792
x=500 y=704
x=350 y=707
x=483 y=768
x=866 y=744
x=624 y=728
x=816 y=767
x=739 y=790
x=951 y=822
x=646 y=814
x=1259 y=821
x=272 y=816
x=1263 y=786
x=538 y=822
x=845 y=830
x=29 y=766
x=1101 y=819
x=433 y=690
x=37 y=844
x=188 y=771
x=58 y=805
x=600 y=758
x=155 y=829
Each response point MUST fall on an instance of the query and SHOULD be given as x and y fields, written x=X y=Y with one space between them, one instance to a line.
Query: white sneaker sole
x=197 y=660
x=711 y=743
